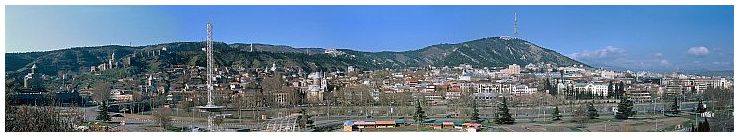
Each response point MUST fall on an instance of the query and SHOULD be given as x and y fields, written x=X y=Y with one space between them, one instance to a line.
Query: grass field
x=603 y=123
x=410 y=128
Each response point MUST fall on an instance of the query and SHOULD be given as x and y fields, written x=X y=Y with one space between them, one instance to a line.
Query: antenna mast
x=210 y=107
x=515 y=24
x=209 y=50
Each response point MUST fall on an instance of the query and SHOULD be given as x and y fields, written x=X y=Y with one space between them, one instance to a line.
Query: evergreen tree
x=610 y=89
x=701 y=108
x=625 y=109
x=503 y=116
x=305 y=120
x=620 y=92
x=704 y=126
x=103 y=113
x=556 y=115
x=551 y=87
x=475 y=113
x=420 y=115
x=592 y=112
x=675 y=107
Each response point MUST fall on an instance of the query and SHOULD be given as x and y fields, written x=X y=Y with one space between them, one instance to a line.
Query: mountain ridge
x=484 y=52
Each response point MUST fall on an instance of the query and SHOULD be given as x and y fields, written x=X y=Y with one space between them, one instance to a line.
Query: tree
x=581 y=115
x=503 y=116
x=218 y=120
x=722 y=107
x=675 y=107
x=103 y=112
x=39 y=119
x=592 y=112
x=701 y=107
x=620 y=92
x=137 y=97
x=101 y=91
x=551 y=87
x=186 y=104
x=163 y=117
x=556 y=116
x=611 y=89
x=420 y=115
x=239 y=103
x=704 y=126
x=305 y=120
x=271 y=86
x=625 y=109
x=475 y=113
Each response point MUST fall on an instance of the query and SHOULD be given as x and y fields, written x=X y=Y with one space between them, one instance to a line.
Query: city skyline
x=508 y=82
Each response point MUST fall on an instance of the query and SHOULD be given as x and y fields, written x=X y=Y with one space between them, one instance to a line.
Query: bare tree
x=218 y=121
x=40 y=119
x=163 y=117
x=239 y=103
x=271 y=86
x=581 y=115
x=101 y=91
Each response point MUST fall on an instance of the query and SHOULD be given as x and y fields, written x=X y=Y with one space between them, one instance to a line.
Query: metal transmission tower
x=515 y=25
x=210 y=107
x=209 y=50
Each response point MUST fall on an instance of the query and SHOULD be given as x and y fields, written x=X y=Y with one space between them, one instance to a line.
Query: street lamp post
x=542 y=105
x=654 y=114
x=545 y=108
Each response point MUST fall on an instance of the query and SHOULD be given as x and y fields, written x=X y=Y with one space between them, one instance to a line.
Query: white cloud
x=659 y=55
x=608 y=52
x=698 y=51
x=664 y=62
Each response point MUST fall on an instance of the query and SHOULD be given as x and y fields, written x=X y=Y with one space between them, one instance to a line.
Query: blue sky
x=634 y=37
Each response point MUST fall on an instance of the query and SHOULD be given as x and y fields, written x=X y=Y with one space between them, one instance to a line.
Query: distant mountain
x=72 y=59
x=257 y=47
x=721 y=73
x=486 y=52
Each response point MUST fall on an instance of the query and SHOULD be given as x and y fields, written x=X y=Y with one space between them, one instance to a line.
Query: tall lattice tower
x=209 y=52
x=515 y=25
x=210 y=107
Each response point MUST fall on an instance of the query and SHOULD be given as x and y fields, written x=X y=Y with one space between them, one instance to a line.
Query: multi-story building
x=512 y=69
x=642 y=92
x=594 y=88
x=522 y=90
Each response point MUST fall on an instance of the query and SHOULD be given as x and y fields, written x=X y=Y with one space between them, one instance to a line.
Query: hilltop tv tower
x=210 y=107
x=515 y=25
